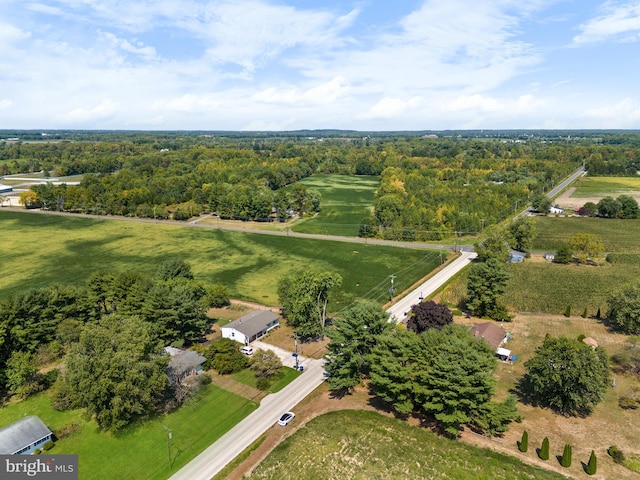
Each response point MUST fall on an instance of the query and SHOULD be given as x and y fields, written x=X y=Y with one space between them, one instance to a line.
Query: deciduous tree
x=116 y=371
x=523 y=231
x=425 y=315
x=586 y=246
x=265 y=363
x=624 y=309
x=494 y=245
x=567 y=375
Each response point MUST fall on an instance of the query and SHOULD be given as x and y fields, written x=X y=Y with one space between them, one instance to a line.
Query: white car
x=247 y=350
x=286 y=418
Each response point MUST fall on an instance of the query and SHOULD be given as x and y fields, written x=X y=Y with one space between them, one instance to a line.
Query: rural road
x=240 y=437
x=557 y=189
x=400 y=309
x=236 y=440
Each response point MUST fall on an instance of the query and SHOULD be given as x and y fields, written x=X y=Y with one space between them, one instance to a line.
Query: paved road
x=236 y=440
x=400 y=309
x=557 y=189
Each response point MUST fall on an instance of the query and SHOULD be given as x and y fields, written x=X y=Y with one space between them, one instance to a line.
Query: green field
x=602 y=186
x=346 y=200
x=39 y=250
x=369 y=446
x=620 y=236
x=139 y=451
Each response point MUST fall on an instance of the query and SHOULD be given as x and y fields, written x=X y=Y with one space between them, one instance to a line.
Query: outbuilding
x=183 y=363
x=5 y=188
x=491 y=333
x=24 y=436
x=250 y=327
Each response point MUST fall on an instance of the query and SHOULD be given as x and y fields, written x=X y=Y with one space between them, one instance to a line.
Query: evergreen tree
x=592 y=466
x=566 y=456
x=544 y=449
x=523 y=446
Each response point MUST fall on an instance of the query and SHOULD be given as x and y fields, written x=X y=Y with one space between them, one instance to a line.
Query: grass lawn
x=42 y=249
x=285 y=376
x=346 y=200
x=620 y=236
x=368 y=445
x=139 y=451
x=602 y=186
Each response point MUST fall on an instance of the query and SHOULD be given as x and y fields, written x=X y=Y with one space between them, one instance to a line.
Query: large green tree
x=523 y=231
x=567 y=375
x=304 y=298
x=353 y=336
x=624 y=309
x=445 y=373
x=494 y=245
x=117 y=371
x=485 y=285
x=586 y=246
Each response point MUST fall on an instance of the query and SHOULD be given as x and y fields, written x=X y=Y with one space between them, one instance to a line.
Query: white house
x=24 y=436
x=250 y=327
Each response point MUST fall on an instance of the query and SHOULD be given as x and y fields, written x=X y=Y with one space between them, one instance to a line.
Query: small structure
x=24 y=436
x=516 y=256
x=556 y=210
x=183 y=363
x=5 y=188
x=550 y=256
x=491 y=333
x=503 y=354
x=591 y=342
x=250 y=327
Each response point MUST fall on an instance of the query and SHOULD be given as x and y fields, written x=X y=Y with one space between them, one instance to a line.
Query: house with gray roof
x=24 y=436
x=183 y=363
x=250 y=327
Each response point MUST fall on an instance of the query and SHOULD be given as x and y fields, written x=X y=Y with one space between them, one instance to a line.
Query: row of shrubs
x=565 y=461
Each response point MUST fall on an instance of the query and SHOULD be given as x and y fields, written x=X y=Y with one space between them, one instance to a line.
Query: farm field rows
x=602 y=186
x=346 y=200
x=620 y=236
x=43 y=249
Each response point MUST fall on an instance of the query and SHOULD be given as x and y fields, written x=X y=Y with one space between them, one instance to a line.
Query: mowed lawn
x=368 y=446
x=140 y=451
x=38 y=250
x=601 y=186
x=619 y=236
x=346 y=200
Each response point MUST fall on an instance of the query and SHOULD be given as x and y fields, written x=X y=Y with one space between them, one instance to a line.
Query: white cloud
x=10 y=34
x=616 y=22
x=188 y=103
x=83 y=114
x=148 y=53
x=388 y=108
x=624 y=114
x=5 y=103
x=324 y=93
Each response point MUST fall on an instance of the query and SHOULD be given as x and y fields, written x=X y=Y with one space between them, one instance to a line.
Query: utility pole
x=169 y=435
x=392 y=289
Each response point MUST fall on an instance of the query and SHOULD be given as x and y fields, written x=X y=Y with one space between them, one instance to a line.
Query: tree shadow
x=559 y=459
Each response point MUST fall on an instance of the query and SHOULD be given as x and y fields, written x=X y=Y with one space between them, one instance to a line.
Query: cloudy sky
x=297 y=64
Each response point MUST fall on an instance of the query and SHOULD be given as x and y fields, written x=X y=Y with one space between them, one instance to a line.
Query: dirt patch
x=567 y=202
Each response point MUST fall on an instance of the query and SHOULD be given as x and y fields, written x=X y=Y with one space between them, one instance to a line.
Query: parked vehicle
x=247 y=350
x=286 y=418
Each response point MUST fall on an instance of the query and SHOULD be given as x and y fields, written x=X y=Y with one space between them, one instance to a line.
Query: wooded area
x=429 y=187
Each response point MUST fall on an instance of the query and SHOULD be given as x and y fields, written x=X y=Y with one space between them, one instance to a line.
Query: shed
x=494 y=335
x=24 y=436
x=183 y=363
x=250 y=327
x=503 y=354
x=5 y=188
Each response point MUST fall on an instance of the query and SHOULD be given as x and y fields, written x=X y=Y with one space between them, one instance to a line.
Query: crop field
x=601 y=186
x=38 y=250
x=371 y=446
x=139 y=451
x=346 y=200
x=620 y=236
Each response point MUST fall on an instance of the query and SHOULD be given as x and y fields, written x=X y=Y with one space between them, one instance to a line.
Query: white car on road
x=286 y=418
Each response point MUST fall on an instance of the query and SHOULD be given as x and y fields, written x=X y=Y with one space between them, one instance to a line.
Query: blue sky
x=297 y=64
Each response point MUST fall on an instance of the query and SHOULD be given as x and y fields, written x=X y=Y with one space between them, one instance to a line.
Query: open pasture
x=602 y=186
x=346 y=200
x=38 y=250
x=372 y=446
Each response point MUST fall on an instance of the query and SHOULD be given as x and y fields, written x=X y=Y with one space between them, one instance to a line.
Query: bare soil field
x=568 y=202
